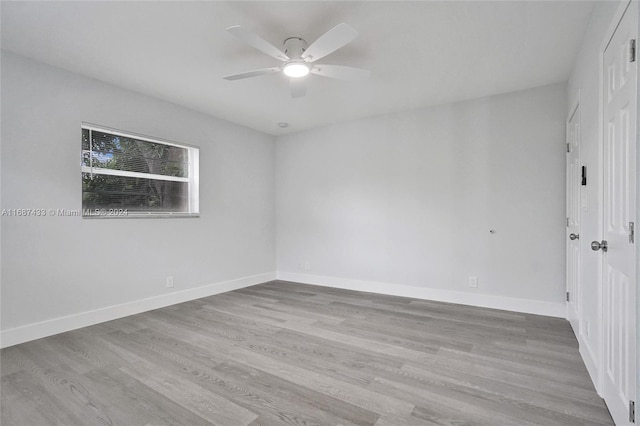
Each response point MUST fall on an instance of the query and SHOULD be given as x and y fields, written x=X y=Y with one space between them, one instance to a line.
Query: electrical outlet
x=169 y=282
x=473 y=282
x=307 y=265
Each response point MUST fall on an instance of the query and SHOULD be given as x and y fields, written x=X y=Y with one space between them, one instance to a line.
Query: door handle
x=574 y=237
x=595 y=245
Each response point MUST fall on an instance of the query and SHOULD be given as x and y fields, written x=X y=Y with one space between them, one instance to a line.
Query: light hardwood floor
x=288 y=354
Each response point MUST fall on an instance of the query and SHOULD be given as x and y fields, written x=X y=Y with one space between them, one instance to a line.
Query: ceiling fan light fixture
x=298 y=59
x=296 y=69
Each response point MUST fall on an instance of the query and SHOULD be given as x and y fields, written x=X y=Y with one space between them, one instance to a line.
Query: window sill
x=143 y=216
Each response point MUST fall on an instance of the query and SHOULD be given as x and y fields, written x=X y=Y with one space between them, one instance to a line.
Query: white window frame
x=192 y=179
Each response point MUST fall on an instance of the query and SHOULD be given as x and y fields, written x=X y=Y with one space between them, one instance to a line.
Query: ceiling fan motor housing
x=294 y=47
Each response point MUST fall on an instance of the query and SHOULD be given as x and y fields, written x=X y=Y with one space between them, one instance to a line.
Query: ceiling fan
x=299 y=58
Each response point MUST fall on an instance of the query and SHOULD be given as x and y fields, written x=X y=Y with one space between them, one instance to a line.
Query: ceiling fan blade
x=298 y=87
x=340 y=72
x=258 y=42
x=329 y=42
x=253 y=73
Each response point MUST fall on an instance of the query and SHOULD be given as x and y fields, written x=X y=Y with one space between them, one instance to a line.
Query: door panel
x=619 y=210
x=573 y=181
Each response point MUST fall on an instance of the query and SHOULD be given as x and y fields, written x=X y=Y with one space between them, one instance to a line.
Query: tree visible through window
x=136 y=175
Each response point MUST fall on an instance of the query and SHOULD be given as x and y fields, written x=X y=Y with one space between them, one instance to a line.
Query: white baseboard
x=25 y=333
x=527 y=306
x=589 y=358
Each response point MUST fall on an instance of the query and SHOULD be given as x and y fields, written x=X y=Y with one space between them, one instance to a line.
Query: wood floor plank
x=301 y=313
x=321 y=408
x=27 y=402
x=211 y=406
x=283 y=353
x=56 y=380
x=531 y=369
x=128 y=401
x=418 y=340
x=585 y=410
x=451 y=404
x=353 y=394
x=168 y=356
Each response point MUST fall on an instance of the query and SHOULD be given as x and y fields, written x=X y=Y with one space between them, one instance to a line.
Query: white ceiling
x=421 y=53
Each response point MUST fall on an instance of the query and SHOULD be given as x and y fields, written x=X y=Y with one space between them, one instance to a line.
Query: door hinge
x=567 y=221
x=632 y=233
x=632 y=50
x=568 y=298
x=584 y=175
x=632 y=411
x=568 y=147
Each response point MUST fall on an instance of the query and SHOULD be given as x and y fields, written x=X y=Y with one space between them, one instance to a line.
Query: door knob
x=574 y=237
x=595 y=245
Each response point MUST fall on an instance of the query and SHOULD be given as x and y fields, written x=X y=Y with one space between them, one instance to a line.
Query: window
x=127 y=175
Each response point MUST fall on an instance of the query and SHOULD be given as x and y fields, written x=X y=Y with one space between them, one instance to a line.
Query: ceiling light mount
x=294 y=47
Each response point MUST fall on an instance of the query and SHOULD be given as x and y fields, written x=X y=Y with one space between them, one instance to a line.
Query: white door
x=574 y=181
x=619 y=215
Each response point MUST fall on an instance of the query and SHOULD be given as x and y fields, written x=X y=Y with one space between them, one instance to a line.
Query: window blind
x=136 y=174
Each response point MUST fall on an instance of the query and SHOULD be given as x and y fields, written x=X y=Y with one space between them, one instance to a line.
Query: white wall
x=584 y=85
x=404 y=203
x=55 y=267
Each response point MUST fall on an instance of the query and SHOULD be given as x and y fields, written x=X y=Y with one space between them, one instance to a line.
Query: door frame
x=608 y=35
